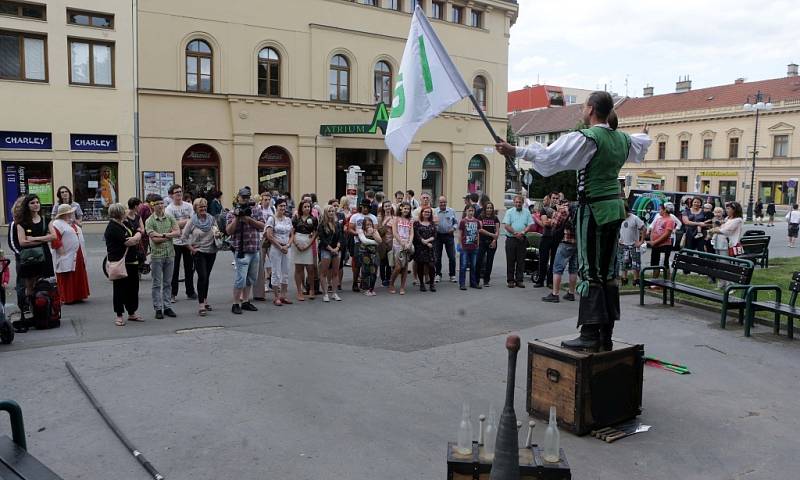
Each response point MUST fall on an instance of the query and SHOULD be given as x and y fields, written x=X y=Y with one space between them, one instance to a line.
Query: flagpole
x=497 y=139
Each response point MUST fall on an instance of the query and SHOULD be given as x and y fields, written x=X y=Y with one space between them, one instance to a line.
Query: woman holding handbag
x=123 y=264
x=732 y=230
x=36 y=261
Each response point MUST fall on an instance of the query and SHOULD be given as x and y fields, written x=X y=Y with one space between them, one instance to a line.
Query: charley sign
x=26 y=141
x=92 y=143
x=379 y=121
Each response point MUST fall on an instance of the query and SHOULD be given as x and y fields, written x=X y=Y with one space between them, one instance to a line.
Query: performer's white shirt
x=573 y=152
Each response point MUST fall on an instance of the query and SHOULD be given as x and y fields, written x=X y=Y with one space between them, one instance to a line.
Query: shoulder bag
x=116 y=269
x=32 y=256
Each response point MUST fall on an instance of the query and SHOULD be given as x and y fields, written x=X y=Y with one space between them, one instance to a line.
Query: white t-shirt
x=281 y=229
x=182 y=212
x=358 y=220
x=793 y=216
x=629 y=231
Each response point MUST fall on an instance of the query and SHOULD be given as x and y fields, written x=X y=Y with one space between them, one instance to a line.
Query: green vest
x=602 y=172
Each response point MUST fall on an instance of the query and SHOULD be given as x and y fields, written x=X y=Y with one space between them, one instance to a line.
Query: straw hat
x=64 y=209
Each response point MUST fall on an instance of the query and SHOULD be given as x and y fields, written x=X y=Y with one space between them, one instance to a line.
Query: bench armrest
x=752 y=292
x=730 y=288
x=659 y=268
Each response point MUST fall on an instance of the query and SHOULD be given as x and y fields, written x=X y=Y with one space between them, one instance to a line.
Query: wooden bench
x=731 y=269
x=791 y=310
x=15 y=461
x=756 y=248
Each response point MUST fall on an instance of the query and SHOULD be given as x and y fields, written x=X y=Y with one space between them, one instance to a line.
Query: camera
x=243 y=209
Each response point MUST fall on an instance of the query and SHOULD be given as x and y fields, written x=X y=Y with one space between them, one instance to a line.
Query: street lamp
x=757 y=106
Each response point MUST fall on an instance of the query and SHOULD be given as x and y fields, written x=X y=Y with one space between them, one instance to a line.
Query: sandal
x=301 y=298
x=120 y=322
x=392 y=290
x=202 y=312
x=285 y=301
x=277 y=302
x=208 y=307
x=135 y=318
x=402 y=291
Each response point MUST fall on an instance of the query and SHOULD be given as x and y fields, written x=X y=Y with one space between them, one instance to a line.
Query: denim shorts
x=246 y=270
x=566 y=255
x=325 y=254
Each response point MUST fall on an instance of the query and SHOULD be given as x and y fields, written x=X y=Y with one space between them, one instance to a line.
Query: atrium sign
x=379 y=121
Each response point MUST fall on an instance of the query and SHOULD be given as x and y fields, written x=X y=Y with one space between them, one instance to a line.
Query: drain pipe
x=136 y=165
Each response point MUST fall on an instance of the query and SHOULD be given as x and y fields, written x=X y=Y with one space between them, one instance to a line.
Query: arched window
x=339 y=79
x=476 y=175
x=383 y=83
x=269 y=72
x=199 y=76
x=479 y=90
x=433 y=175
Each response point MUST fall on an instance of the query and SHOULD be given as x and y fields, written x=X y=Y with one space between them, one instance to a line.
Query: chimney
x=648 y=91
x=683 y=85
x=791 y=70
x=738 y=81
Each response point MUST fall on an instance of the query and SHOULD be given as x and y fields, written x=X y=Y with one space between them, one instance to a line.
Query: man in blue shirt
x=515 y=222
x=444 y=238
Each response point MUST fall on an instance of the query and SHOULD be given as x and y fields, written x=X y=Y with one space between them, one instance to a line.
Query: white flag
x=427 y=84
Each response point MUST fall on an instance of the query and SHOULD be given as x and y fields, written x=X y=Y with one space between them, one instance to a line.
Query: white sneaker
x=325 y=298
x=438 y=278
x=452 y=279
x=336 y=297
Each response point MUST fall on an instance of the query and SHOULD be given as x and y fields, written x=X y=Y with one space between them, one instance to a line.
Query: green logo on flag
x=426 y=69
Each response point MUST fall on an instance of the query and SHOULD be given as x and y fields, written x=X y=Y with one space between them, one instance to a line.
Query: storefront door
x=200 y=170
x=432 y=175
x=371 y=163
x=476 y=175
x=727 y=190
x=273 y=170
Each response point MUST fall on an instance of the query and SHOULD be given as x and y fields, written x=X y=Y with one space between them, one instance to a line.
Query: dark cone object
x=506 y=450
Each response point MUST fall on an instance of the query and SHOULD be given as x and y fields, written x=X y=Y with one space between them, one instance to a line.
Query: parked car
x=646 y=203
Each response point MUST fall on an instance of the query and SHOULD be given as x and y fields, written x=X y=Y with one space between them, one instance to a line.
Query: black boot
x=606 y=332
x=589 y=339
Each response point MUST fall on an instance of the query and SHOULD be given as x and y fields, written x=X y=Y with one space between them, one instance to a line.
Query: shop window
x=339 y=79
x=199 y=74
x=383 y=83
x=91 y=63
x=727 y=190
x=24 y=10
x=782 y=193
x=269 y=72
x=90 y=19
x=200 y=170
x=274 y=166
x=476 y=175
x=23 y=56
x=22 y=178
x=432 y=175
x=95 y=188
x=479 y=91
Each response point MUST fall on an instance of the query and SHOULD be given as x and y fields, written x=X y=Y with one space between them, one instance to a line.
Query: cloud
x=655 y=42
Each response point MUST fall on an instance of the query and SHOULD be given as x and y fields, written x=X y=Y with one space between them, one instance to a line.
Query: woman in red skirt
x=68 y=256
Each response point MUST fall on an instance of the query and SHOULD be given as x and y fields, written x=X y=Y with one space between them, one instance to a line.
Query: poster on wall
x=96 y=188
x=156 y=183
x=27 y=177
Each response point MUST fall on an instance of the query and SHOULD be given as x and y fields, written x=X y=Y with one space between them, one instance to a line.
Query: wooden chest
x=589 y=390
x=531 y=465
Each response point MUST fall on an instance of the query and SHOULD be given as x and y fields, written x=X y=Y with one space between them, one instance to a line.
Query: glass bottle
x=490 y=434
x=464 y=445
x=552 y=439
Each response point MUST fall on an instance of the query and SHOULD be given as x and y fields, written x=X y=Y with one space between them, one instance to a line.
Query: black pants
x=182 y=251
x=515 y=259
x=547 y=256
x=655 y=255
x=386 y=269
x=485 y=260
x=203 y=264
x=126 y=291
x=447 y=241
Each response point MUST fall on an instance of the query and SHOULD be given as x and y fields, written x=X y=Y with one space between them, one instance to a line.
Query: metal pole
x=753 y=169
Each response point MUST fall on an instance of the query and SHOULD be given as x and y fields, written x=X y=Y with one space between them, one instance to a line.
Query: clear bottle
x=552 y=439
x=490 y=434
x=464 y=445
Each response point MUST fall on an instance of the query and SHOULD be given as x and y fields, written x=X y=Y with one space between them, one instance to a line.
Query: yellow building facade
x=235 y=93
x=67 y=96
x=703 y=141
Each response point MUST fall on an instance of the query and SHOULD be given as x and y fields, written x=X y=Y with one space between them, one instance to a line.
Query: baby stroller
x=6 y=328
x=532 y=255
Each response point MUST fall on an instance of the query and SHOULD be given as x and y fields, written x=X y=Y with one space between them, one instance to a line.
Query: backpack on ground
x=46 y=305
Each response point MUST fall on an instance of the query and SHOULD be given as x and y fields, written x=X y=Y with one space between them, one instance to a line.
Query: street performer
x=597 y=153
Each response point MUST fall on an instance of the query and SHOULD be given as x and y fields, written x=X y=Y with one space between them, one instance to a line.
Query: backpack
x=46 y=305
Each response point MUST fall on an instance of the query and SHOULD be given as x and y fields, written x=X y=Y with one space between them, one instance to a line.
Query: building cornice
x=779 y=108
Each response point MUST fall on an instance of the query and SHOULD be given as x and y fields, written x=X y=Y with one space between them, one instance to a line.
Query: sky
x=595 y=43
